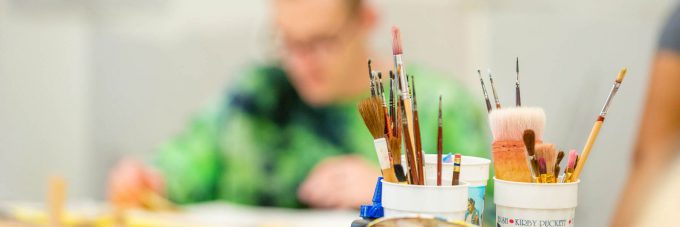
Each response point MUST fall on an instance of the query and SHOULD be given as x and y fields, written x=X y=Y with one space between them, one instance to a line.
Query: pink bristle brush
x=571 y=164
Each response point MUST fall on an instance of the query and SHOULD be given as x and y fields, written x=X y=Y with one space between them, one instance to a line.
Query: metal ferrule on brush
x=399 y=65
x=372 y=83
x=493 y=89
x=612 y=93
x=382 y=91
x=439 y=121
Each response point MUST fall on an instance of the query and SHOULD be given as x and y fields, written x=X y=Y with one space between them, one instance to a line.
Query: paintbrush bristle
x=508 y=124
x=543 y=150
x=550 y=157
x=529 y=141
x=394 y=144
x=571 y=162
x=399 y=171
x=542 y=166
x=560 y=156
x=621 y=75
x=396 y=41
x=372 y=113
x=534 y=167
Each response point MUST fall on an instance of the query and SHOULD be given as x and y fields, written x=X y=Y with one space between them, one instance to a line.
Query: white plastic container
x=403 y=200
x=533 y=204
x=473 y=170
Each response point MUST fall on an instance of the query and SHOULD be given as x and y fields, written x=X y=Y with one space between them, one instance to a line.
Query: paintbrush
x=493 y=89
x=391 y=107
x=455 y=180
x=372 y=114
x=410 y=154
x=394 y=143
x=440 y=148
x=535 y=169
x=381 y=90
x=394 y=103
x=371 y=78
x=571 y=164
x=542 y=169
x=576 y=164
x=397 y=111
x=386 y=114
x=560 y=156
x=598 y=124
x=486 y=95
x=529 y=139
x=509 y=124
x=416 y=131
x=518 y=99
x=546 y=152
x=395 y=152
x=550 y=159
x=508 y=148
x=56 y=200
x=397 y=51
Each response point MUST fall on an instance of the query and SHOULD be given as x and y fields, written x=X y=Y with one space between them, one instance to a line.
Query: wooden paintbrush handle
x=410 y=158
x=389 y=175
x=419 y=148
x=408 y=109
x=56 y=200
x=586 y=150
x=384 y=159
x=388 y=125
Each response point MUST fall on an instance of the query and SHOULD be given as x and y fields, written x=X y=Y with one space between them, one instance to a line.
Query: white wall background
x=83 y=83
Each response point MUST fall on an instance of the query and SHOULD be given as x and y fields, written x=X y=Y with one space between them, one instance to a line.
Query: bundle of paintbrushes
x=392 y=118
x=518 y=151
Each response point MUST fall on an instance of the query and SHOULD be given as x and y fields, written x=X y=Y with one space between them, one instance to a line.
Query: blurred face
x=321 y=42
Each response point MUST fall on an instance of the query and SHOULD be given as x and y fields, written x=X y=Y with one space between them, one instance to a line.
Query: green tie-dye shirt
x=259 y=143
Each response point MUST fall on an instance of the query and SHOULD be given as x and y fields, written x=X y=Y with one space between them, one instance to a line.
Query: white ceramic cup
x=534 y=204
x=403 y=200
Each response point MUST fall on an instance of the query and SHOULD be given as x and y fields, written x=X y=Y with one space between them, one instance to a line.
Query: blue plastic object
x=448 y=158
x=374 y=211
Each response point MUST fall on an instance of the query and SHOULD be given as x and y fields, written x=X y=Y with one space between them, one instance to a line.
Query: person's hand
x=131 y=183
x=341 y=182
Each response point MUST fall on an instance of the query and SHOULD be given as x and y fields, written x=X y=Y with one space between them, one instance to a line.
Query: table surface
x=204 y=214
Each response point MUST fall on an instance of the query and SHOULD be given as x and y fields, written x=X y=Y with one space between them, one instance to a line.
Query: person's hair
x=353 y=5
x=470 y=200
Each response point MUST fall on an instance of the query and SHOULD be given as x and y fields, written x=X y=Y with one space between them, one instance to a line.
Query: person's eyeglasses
x=318 y=45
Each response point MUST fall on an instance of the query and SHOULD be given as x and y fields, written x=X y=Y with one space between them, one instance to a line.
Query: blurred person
x=656 y=151
x=289 y=134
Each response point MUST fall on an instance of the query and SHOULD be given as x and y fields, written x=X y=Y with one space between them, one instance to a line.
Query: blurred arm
x=191 y=162
x=657 y=136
